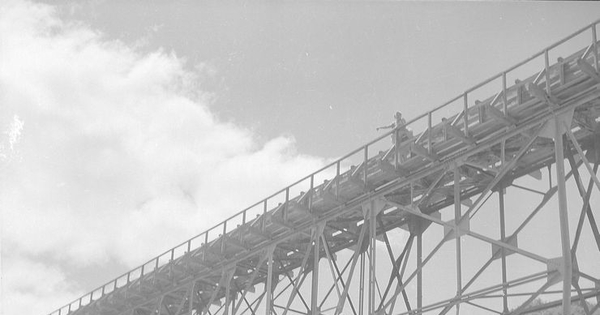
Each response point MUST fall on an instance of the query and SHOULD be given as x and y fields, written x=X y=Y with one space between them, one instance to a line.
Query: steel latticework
x=437 y=220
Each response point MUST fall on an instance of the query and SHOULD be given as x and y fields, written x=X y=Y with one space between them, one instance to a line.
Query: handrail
x=89 y=297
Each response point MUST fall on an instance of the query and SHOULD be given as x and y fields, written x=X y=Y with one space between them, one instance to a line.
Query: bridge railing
x=333 y=170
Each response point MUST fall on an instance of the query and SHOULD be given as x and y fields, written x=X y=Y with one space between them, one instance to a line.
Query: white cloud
x=119 y=158
x=27 y=292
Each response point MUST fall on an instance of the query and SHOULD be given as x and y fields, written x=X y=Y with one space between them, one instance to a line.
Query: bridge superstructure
x=325 y=244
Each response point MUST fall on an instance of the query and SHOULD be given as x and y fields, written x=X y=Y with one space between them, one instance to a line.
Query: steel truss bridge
x=417 y=225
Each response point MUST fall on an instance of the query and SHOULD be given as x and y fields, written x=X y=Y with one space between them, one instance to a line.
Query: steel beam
x=503 y=251
x=269 y=284
x=567 y=271
x=457 y=220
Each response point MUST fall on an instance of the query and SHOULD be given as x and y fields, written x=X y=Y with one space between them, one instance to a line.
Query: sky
x=126 y=128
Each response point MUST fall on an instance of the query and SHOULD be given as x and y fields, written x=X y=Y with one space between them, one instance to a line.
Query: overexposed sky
x=335 y=69
x=126 y=128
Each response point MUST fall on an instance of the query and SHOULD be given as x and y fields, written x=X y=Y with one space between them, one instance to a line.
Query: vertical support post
x=159 y=305
x=233 y=304
x=412 y=193
x=361 y=295
x=457 y=216
x=370 y=211
x=191 y=299
x=269 y=293
x=228 y=293
x=563 y=216
x=502 y=239
x=355 y=257
x=314 y=306
x=372 y=259
x=420 y=272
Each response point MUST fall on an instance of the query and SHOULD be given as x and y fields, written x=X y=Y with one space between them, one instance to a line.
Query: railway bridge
x=483 y=208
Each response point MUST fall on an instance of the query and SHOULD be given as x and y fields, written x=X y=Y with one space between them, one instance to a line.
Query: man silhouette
x=399 y=124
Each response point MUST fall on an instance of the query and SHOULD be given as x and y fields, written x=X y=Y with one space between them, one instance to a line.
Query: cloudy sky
x=126 y=128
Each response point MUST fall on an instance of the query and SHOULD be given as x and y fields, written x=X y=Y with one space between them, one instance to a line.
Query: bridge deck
x=480 y=140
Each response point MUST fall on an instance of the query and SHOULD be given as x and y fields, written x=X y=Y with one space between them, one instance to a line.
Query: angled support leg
x=341 y=302
x=583 y=158
x=249 y=283
x=338 y=277
x=298 y=281
x=225 y=280
x=395 y=270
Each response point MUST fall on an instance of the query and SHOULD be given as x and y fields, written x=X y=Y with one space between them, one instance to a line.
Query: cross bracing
x=325 y=244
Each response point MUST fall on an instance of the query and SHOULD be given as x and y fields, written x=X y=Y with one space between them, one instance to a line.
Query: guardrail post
x=396 y=137
x=285 y=205
x=595 y=45
x=547 y=71
x=366 y=168
x=337 y=179
x=504 y=96
x=263 y=222
x=223 y=238
x=312 y=186
x=466 y=116
x=429 y=133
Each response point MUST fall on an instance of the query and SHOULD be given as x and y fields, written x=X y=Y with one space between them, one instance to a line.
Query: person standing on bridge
x=400 y=125
x=403 y=133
